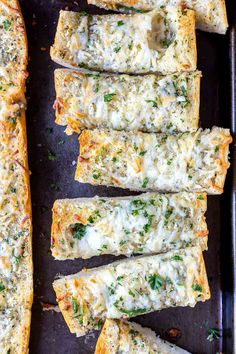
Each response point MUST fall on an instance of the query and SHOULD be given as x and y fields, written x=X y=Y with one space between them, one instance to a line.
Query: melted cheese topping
x=195 y=161
x=130 y=338
x=15 y=214
x=132 y=287
x=159 y=41
x=149 y=223
x=210 y=14
x=146 y=103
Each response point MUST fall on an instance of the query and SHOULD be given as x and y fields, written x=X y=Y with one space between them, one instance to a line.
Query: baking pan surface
x=205 y=329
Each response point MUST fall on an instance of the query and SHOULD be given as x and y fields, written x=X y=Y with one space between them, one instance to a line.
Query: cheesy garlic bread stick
x=132 y=287
x=190 y=161
x=120 y=336
x=148 y=223
x=16 y=279
x=147 y=103
x=210 y=14
x=160 y=41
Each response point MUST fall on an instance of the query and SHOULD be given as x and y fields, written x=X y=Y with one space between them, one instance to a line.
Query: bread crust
x=12 y=121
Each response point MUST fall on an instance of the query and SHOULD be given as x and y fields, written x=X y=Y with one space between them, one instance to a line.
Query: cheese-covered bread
x=190 y=161
x=16 y=288
x=158 y=41
x=210 y=14
x=147 y=103
x=13 y=44
x=132 y=287
x=120 y=336
x=148 y=223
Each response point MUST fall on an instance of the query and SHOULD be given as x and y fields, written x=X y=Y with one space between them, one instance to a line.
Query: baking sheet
x=55 y=179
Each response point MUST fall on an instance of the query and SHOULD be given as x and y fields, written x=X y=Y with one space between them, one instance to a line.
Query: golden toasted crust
x=13 y=138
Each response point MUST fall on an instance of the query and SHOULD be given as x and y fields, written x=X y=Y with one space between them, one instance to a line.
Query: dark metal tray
x=55 y=179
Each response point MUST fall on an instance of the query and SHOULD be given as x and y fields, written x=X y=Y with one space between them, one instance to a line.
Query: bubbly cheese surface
x=210 y=14
x=133 y=287
x=149 y=223
x=145 y=103
x=16 y=286
x=195 y=161
x=130 y=338
x=158 y=41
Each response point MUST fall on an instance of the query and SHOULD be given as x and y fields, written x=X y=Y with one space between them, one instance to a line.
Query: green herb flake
x=79 y=231
x=177 y=258
x=200 y=197
x=6 y=25
x=2 y=287
x=154 y=103
x=213 y=334
x=90 y=219
x=74 y=305
x=197 y=287
x=145 y=182
x=217 y=148
x=120 y=23
x=51 y=156
x=97 y=175
x=155 y=281
x=108 y=97
x=142 y=153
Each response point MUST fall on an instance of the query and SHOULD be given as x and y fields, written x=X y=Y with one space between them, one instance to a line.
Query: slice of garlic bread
x=210 y=14
x=132 y=287
x=147 y=103
x=120 y=336
x=190 y=161
x=148 y=223
x=158 y=41
x=16 y=283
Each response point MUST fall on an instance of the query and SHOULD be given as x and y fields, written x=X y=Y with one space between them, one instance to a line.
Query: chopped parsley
x=6 y=25
x=108 y=97
x=177 y=258
x=96 y=175
x=74 y=305
x=145 y=182
x=200 y=197
x=51 y=156
x=116 y=49
x=217 y=148
x=154 y=103
x=120 y=23
x=132 y=313
x=2 y=287
x=142 y=153
x=78 y=231
x=197 y=287
x=213 y=334
x=155 y=281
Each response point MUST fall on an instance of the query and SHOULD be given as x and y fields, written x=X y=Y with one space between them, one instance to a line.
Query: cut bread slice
x=120 y=336
x=132 y=287
x=190 y=161
x=145 y=224
x=210 y=14
x=158 y=41
x=147 y=103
